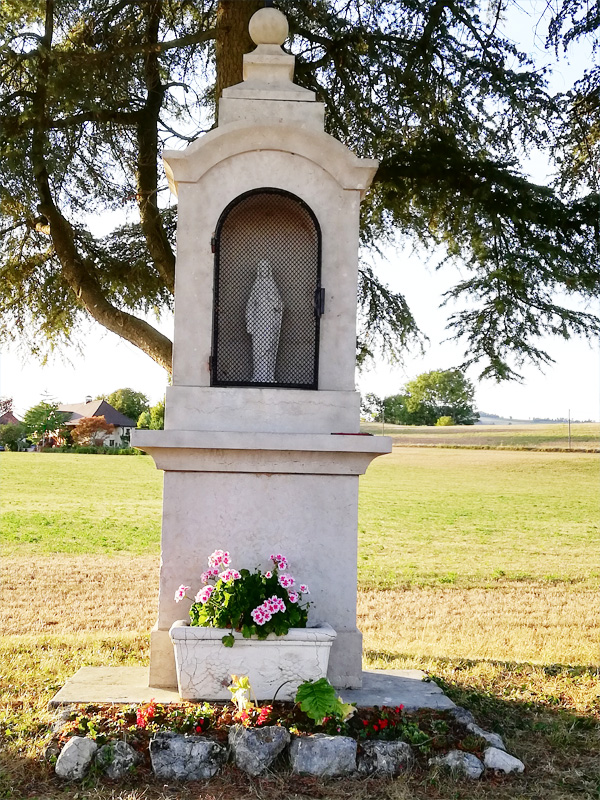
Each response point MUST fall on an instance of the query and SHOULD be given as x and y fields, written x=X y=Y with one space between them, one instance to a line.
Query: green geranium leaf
x=246 y=631
x=228 y=640
x=317 y=699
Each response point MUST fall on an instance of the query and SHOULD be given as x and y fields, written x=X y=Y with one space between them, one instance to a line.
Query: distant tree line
x=439 y=397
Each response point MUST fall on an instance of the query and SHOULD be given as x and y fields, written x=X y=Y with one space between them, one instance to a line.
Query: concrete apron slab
x=391 y=687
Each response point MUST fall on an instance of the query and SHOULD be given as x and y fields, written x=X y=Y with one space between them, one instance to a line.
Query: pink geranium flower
x=220 y=558
x=204 y=594
x=286 y=580
x=258 y=616
x=230 y=575
x=274 y=604
x=293 y=597
x=279 y=560
x=304 y=588
x=180 y=593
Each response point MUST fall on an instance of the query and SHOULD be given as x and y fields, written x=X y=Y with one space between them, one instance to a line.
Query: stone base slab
x=392 y=687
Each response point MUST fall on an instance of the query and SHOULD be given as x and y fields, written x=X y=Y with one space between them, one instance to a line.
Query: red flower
x=263 y=715
x=383 y=723
x=144 y=714
x=365 y=722
x=375 y=728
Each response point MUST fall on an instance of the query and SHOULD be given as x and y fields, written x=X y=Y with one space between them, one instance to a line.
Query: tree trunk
x=80 y=278
x=232 y=40
x=147 y=166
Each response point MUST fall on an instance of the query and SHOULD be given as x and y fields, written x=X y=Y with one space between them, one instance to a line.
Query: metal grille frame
x=297 y=274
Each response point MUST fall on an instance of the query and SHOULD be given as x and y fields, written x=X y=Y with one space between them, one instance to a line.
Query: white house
x=100 y=408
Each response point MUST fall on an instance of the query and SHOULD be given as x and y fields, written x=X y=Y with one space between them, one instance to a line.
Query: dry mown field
x=539 y=436
x=523 y=622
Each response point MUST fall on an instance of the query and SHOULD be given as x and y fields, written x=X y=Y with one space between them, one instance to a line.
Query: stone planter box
x=205 y=665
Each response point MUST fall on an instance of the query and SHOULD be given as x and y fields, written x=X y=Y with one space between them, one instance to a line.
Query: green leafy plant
x=319 y=701
x=254 y=603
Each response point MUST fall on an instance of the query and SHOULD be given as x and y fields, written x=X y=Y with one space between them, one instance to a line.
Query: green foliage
x=441 y=393
x=94 y=450
x=444 y=422
x=127 y=401
x=395 y=412
x=370 y=407
x=43 y=420
x=144 y=420
x=12 y=436
x=229 y=599
x=436 y=91
x=318 y=699
x=435 y=395
x=157 y=416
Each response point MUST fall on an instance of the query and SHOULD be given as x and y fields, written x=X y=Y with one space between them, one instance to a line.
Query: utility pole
x=569 y=429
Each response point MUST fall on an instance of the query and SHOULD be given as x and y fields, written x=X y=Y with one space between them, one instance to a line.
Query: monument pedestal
x=254 y=494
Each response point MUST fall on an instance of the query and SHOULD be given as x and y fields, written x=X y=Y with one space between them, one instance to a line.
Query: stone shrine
x=261 y=450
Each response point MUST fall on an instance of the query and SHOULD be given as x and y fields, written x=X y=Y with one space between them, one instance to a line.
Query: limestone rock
x=185 y=758
x=62 y=717
x=384 y=758
x=463 y=716
x=458 y=761
x=500 y=760
x=255 y=749
x=323 y=756
x=491 y=738
x=117 y=759
x=75 y=758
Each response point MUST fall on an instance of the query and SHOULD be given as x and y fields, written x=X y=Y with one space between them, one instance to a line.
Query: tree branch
x=81 y=280
x=147 y=164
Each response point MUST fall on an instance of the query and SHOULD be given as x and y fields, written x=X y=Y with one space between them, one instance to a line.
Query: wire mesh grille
x=267 y=272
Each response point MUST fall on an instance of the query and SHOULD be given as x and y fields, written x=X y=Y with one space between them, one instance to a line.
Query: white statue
x=263 y=322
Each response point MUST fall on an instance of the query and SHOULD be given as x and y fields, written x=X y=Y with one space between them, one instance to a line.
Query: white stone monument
x=263 y=456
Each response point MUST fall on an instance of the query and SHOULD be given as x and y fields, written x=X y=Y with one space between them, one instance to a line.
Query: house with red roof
x=8 y=418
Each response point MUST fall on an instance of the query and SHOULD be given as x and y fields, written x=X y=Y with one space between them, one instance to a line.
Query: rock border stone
x=183 y=757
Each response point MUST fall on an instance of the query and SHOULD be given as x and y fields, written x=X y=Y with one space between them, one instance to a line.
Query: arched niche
x=267 y=292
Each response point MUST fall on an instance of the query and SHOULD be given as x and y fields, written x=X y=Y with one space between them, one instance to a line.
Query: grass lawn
x=481 y=567
x=468 y=517
x=64 y=503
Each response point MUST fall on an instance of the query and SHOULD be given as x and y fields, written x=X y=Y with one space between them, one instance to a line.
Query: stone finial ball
x=268 y=26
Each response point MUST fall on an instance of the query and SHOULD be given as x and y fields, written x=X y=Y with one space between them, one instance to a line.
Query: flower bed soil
x=429 y=732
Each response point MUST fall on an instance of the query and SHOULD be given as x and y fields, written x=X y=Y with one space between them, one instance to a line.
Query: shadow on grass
x=548 y=714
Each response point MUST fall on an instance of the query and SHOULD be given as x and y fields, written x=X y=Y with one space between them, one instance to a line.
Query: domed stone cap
x=268 y=26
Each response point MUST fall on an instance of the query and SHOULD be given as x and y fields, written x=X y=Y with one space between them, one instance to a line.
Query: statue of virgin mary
x=264 y=312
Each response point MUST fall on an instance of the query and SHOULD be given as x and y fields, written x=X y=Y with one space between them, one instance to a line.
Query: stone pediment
x=237 y=138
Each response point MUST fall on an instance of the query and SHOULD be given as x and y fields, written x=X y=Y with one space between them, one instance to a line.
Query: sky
x=105 y=362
